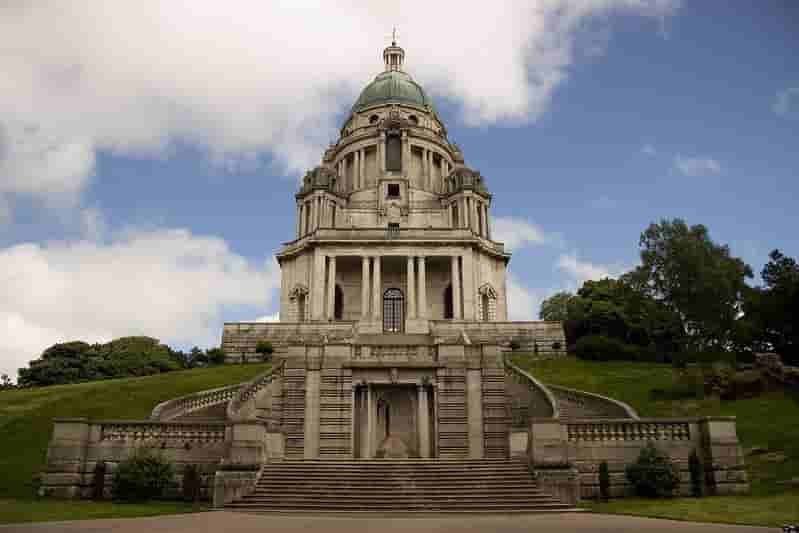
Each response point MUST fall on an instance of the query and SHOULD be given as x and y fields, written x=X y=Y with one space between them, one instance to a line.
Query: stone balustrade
x=247 y=392
x=540 y=338
x=177 y=407
x=628 y=430
x=576 y=404
x=162 y=431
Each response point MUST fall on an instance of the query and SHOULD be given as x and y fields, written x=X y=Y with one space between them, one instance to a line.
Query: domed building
x=394 y=289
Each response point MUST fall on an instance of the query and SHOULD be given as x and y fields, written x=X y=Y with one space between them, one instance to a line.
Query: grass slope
x=770 y=421
x=26 y=415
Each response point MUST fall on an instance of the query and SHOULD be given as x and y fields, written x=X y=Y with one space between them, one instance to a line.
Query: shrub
x=98 y=481
x=192 y=483
x=601 y=348
x=604 y=481
x=215 y=356
x=697 y=470
x=514 y=345
x=264 y=349
x=142 y=476
x=653 y=475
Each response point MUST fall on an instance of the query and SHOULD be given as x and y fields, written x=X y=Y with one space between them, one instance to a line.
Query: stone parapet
x=576 y=404
x=542 y=338
x=239 y=339
x=191 y=403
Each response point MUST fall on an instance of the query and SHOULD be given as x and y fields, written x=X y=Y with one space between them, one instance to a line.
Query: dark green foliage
x=697 y=470
x=601 y=348
x=5 y=382
x=604 y=481
x=74 y=362
x=98 y=481
x=264 y=349
x=515 y=345
x=556 y=307
x=215 y=356
x=192 y=483
x=695 y=278
x=653 y=475
x=143 y=476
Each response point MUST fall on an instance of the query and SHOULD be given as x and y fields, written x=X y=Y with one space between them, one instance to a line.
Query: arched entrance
x=393 y=311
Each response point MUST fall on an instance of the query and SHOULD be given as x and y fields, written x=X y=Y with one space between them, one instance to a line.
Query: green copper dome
x=393 y=86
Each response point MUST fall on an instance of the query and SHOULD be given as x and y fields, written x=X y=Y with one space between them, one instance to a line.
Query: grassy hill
x=770 y=421
x=26 y=415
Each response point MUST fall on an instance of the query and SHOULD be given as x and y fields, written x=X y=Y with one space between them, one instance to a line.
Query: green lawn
x=20 y=510
x=26 y=423
x=770 y=421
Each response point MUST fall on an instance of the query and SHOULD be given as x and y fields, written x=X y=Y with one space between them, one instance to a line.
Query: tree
x=556 y=307
x=5 y=382
x=264 y=349
x=695 y=277
x=771 y=312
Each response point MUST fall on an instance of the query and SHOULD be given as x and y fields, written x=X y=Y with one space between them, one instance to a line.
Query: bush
x=142 y=476
x=601 y=348
x=265 y=350
x=604 y=481
x=192 y=483
x=697 y=470
x=653 y=475
x=215 y=356
x=515 y=345
x=98 y=481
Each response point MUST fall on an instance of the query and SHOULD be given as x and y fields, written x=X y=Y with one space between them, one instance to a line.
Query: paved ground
x=245 y=523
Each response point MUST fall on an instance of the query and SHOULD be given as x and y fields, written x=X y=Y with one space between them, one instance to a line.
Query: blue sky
x=144 y=198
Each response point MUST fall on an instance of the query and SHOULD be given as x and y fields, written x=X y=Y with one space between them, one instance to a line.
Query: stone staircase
x=403 y=485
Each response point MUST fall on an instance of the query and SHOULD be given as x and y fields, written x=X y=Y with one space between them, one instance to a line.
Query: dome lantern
x=393 y=55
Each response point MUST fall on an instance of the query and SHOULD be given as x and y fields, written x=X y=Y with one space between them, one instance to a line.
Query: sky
x=149 y=151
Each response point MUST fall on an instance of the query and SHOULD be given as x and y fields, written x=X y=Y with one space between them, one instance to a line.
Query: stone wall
x=584 y=444
x=239 y=338
x=78 y=445
x=541 y=337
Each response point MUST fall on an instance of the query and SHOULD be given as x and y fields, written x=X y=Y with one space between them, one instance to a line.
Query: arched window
x=448 y=313
x=338 y=304
x=487 y=303
x=414 y=120
x=393 y=311
x=373 y=119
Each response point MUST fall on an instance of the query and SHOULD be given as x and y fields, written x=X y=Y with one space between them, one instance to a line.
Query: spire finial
x=393 y=55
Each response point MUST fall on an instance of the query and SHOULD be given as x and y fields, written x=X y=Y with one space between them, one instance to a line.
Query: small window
x=414 y=120
x=393 y=230
x=393 y=190
x=373 y=119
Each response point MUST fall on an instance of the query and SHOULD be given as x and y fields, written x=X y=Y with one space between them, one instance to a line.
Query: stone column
x=406 y=153
x=475 y=219
x=318 y=287
x=363 y=168
x=449 y=214
x=468 y=285
x=485 y=221
x=377 y=296
x=411 y=286
x=443 y=172
x=364 y=288
x=299 y=220
x=456 y=289
x=422 y=311
x=357 y=170
x=381 y=153
x=313 y=380
x=423 y=422
x=370 y=421
x=331 y=287
x=474 y=412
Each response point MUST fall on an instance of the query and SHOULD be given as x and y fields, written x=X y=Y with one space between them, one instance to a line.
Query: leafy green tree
x=695 y=277
x=556 y=307
x=771 y=312
x=215 y=356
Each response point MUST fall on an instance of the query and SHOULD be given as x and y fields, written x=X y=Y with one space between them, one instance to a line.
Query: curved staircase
x=401 y=485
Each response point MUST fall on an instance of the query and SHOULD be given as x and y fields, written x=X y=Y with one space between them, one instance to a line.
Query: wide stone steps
x=404 y=485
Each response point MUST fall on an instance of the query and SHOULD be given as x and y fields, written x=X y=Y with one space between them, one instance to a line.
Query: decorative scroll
x=628 y=431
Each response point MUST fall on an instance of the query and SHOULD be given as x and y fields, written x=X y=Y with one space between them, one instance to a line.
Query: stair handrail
x=535 y=383
x=175 y=407
x=631 y=413
x=248 y=390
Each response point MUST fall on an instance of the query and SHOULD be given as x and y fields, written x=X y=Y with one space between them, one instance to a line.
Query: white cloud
x=696 y=166
x=169 y=284
x=648 y=149
x=241 y=79
x=786 y=102
x=274 y=317
x=581 y=271
x=516 y=232
x=523 y=302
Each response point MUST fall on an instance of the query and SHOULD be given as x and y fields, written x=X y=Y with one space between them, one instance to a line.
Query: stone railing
x=171 y=409
x=161 y=431
x=545 y=338
x=248 y=391
x=628 y=430
x=239 y=339
x=576 y=404
x=533 y=399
